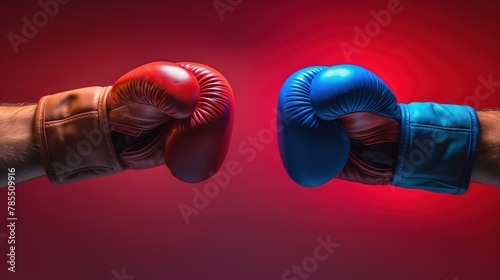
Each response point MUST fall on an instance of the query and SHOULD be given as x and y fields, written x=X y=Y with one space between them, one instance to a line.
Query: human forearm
x=19 y=149
x=487 y=166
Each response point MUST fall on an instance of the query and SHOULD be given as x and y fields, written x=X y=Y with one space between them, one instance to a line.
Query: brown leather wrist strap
x=73 y=134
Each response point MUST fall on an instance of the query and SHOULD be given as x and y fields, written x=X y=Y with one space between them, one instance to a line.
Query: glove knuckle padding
x=196 y=146
x=149 y=95
x=313 y=151
x=344 y=89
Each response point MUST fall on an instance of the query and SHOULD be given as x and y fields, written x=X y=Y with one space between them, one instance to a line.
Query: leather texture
x=73 y=135
x=374 y=148
x=196 y=146
x=437 y=147
x=152 y=95
x=343 y=89
x=312 y=150
x=155 y=112
x=427 y=146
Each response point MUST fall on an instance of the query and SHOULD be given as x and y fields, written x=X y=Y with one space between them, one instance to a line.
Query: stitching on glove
x=86 y=115
x=465 y=175
x=92 y=168
x=45 y=151
x=404 y=119
x=128 y=118
x=366 y=169
x=103 y=121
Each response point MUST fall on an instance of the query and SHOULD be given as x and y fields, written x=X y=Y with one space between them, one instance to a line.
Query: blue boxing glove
x=344 y=121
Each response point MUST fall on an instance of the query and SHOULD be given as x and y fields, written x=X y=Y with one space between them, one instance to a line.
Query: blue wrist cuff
x=437 y=147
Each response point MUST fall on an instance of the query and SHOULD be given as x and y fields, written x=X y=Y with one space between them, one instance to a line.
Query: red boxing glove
x=175 y=113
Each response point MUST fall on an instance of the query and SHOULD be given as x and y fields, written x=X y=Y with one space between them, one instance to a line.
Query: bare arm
x=18 y=143
x=487 y=166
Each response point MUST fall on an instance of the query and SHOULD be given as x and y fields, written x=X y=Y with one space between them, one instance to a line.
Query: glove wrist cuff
x=73 y=135
x=437 y=147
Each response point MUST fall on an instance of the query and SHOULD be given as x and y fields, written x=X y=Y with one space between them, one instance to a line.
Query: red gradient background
x=261 y=223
